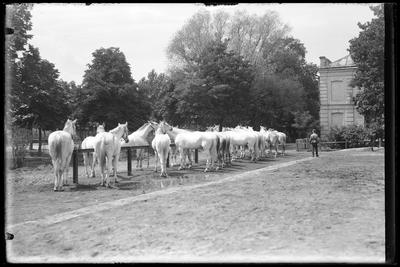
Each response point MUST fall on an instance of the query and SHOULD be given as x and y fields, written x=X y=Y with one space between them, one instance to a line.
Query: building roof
x=343 y=62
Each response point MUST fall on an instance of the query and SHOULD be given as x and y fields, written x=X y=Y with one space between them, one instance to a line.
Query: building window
x=338 y=91
x=337 y=119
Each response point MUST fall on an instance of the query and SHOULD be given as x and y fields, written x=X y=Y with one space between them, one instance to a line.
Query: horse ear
x=126 y=123
x=74 y=121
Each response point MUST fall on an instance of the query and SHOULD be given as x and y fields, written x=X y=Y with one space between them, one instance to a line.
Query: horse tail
x=55 y=148
x=102 y=152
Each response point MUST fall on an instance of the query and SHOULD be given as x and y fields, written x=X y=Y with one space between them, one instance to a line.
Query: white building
x=336 y=95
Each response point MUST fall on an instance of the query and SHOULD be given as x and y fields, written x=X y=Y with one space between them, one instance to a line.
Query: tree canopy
x=109 y=94
x=281 y=87
x=40 y=100
x=367 y=51
x=216 y=89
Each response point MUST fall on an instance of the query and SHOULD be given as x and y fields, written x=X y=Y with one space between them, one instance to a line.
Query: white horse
x=174 y=149
x=241 y=137
x=89 y=158
x=224 y=154
x=161 y=144
x=282 y=141
x=61 y=146
x=107 y=147
x=141 y=137
x=261 y=141
x=208 y=141
x=271 y=138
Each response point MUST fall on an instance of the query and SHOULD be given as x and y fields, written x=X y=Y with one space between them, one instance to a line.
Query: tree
x=109 y=94
x=247 y=35
x=367 y=51
x=155 y=88
x=216 y=91
x=39 y=101
x=18 y=19
x=275 y=101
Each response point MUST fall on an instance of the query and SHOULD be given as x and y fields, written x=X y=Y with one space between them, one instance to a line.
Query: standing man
x=314 y=140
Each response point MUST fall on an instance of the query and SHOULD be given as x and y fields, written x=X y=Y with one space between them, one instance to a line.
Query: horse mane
x=143 y=126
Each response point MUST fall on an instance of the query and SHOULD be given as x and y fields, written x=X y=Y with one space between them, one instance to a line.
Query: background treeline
x=223 y=69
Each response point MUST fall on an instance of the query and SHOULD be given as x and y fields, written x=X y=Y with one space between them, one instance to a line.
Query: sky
x=68 y=34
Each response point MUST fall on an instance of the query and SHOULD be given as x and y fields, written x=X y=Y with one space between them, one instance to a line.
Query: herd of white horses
x=220 y=148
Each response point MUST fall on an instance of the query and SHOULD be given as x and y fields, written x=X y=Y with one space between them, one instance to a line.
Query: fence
x=129 y=149
x=304 y=144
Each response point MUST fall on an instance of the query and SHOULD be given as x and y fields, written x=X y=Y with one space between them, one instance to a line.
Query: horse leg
x=165 y=163
x=59 y=180
x=156 y=154
x=162 y=157
x=102 y=166
x=55 y=176
x=86 y=163
x=208 y=156
x=94 y=161
x=109 y=163
x=256 y=156
x=66 y=169
x=114 y=163
x=182 y=156
x=189 y=158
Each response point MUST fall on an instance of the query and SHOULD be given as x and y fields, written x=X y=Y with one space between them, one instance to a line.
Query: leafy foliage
x=216 y=90
x=109 y=94
x=156 y=88
x=355 y=135
x=38 y=99
x=282 y=85
x=19 y=19
x=367 y=51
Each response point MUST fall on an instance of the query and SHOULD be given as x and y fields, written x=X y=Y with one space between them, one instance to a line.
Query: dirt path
x=328 y=209
x=30 y=189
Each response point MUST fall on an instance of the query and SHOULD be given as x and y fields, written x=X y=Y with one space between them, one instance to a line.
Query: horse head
x=70 y=127
x=122 y=128
x=126 y=132
x=164 y=127
x=101 y=128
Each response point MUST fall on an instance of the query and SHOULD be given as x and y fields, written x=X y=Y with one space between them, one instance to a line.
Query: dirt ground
x=329 y=208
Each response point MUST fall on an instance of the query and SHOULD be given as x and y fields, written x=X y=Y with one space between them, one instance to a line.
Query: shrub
x=354 y=135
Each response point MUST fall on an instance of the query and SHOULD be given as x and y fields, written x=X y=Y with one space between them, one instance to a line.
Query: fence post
x=345 y=144
x=129 y=160
x=196 y=156
x=148 y=157
x=75 y=166
x=379 y=142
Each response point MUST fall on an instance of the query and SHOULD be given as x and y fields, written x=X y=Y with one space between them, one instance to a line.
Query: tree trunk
x=31 y=143
x=40 y=141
